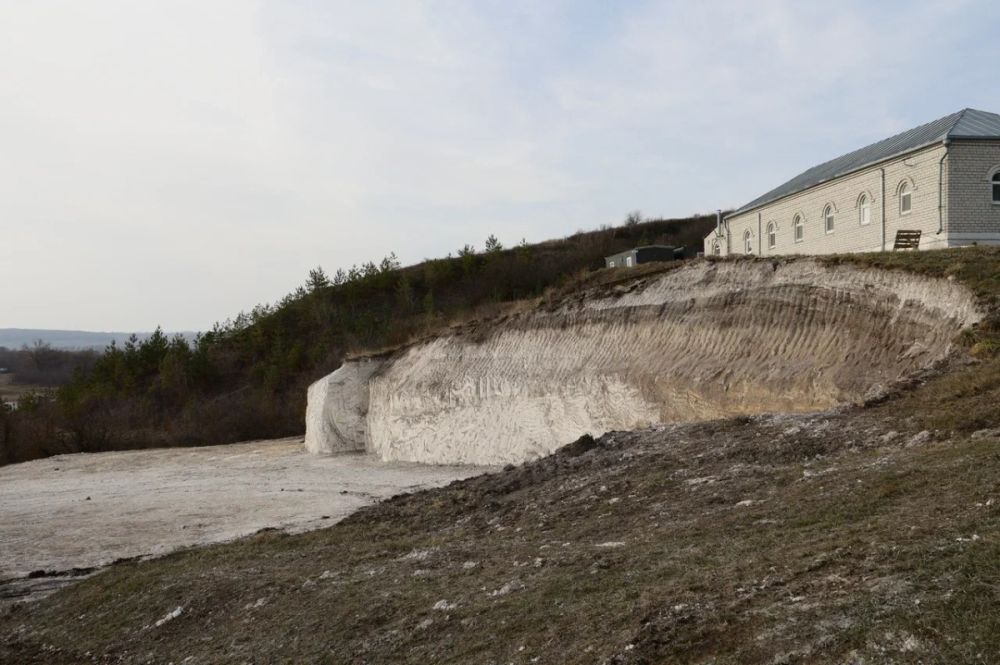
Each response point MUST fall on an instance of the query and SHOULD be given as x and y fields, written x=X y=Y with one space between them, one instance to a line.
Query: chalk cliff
x=706 y=340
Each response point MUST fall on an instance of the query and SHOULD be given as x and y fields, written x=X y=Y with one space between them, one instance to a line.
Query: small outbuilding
x=645 y=254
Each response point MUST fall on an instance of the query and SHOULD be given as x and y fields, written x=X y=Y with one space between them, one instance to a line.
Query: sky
x=175 y=162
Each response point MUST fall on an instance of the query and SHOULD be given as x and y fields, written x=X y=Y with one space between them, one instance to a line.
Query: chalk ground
x=87 y=510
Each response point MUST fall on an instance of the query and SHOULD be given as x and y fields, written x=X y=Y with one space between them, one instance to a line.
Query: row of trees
x=42 y=365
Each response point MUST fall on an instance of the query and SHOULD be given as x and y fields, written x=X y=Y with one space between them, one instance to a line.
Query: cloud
x=176 y=162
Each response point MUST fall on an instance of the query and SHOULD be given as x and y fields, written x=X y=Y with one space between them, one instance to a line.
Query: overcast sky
x=174 y=162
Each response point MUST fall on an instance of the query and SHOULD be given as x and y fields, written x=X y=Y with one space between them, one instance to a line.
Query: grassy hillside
x=247 y=377
x=861 y=535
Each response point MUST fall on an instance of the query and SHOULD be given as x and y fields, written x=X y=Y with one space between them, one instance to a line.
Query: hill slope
x=820 y=539
x=868 y=534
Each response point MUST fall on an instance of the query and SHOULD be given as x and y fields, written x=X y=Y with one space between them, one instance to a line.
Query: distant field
x=13 y=389
x=10 y=392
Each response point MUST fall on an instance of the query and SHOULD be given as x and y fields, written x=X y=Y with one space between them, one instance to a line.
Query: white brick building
x=941 y=179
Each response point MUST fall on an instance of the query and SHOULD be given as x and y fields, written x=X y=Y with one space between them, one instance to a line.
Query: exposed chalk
x=709 y=340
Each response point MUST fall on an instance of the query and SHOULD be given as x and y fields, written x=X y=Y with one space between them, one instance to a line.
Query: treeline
x=42 y=365
x=247 y=377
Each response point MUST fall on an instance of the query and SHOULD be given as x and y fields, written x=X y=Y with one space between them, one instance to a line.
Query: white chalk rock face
x=495 y=418
x=337 y=409
x=707 y=340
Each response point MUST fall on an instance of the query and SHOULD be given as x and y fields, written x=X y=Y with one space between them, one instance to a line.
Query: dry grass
x=862 y=536
x=12 y=391
x=803 y=539
x=484 y=318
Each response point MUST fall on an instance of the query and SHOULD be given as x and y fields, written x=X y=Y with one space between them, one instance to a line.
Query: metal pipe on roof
x=883 y=207
x=940 y=230
x=719 y=232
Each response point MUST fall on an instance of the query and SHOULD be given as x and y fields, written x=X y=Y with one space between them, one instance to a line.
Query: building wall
x=710 y=240
x=973 y=217
x=650 y=254
x=920 y=169
x=619 y=259
x=645 y=254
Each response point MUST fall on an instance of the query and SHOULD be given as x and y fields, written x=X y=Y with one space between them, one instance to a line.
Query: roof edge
x=919 y=148
x=973 y=137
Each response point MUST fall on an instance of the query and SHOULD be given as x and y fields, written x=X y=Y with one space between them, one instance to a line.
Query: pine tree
x=317 y=280
x=404 y=292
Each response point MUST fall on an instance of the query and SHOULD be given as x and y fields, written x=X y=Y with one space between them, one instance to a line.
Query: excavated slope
x=707 y=340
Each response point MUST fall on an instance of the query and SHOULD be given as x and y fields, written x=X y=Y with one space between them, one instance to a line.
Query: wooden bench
x=906 y=240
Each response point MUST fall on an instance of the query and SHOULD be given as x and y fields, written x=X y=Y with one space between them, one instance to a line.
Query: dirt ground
x=828 y=538
x=87 y=510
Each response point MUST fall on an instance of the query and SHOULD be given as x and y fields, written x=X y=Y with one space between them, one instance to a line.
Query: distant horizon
x=16 y=338
x=227 y=149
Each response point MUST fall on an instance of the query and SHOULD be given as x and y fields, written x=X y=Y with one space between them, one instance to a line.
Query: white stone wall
x=973 y=217
x=920 y=170
x=710 y=242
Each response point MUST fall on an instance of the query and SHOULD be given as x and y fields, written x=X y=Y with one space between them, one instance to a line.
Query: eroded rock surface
x=337 y=409
x=707 y=340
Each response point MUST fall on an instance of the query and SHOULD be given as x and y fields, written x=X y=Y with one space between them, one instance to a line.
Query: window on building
x=611 y=264
x=628 y=261
x=905 y=199
x=799 y=228
x=716 y=249
x=748 y=241
x=996 y=187
x=772 y=235
x=828 y=219
x=864 y=210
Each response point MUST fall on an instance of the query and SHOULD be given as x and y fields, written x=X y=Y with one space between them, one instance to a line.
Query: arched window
x=864 y=210
x=716 y=248
x=748 y=241
x=772 y=235
x=799 y=228
x=905 y=198
x=828 y=219
x=996 y=187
